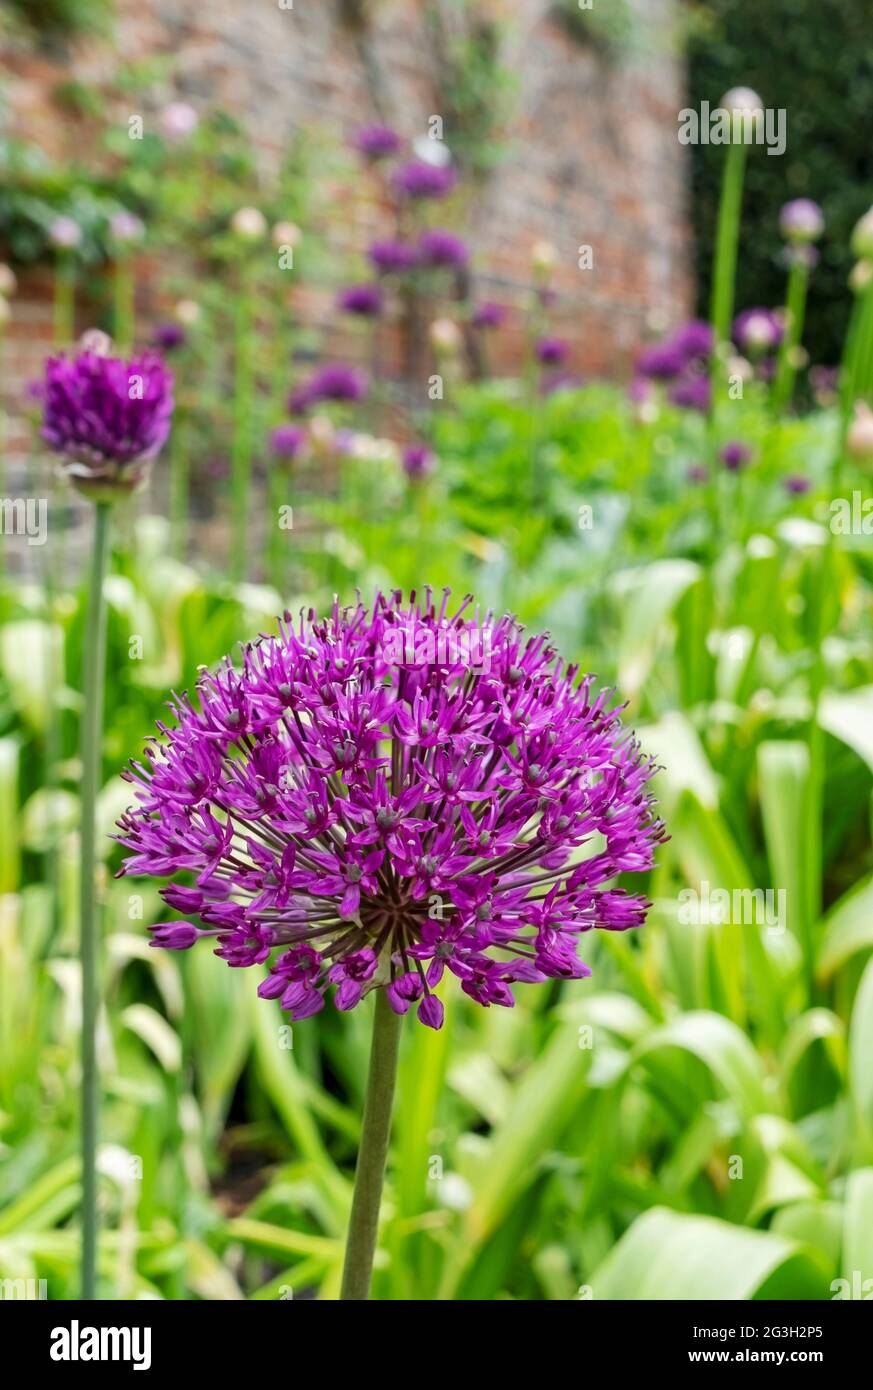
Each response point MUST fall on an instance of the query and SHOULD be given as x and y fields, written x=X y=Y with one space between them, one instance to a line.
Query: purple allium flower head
x=418 y=462
x=801 y=220
x=170 y=335
x=363 y=300
x=661 y=361
x=693 y=339
x=393 y=257
x=286 y=441
x=336 y=382
x=692 y=391
x=376 y=141
x=440 y=248
x=697 y=473
x=757 y=331
x=489 y=315
x=796 y=484
x=552 y=351
x=735 y=455
x=420 y=180
x=107 y=418
x=321 y=795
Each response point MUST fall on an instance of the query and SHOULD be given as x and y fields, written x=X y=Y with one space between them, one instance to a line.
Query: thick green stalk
x=241 y=446
x=375 y=1134
x=725 y=266
x=795 y=310
x=92 y=746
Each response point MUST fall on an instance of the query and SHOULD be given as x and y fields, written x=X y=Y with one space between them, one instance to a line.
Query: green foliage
x=813 y=58
x=51 y=21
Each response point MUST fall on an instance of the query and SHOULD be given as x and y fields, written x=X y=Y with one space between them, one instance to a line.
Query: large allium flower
x=552 y=351
x=372 y=798
x=106 y=417
x=661 y=362
x=420 y=180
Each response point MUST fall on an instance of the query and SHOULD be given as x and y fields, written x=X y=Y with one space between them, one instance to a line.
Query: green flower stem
x=92 y=741
x=179 y=488
x=795 y=306
x=64 y=325
x=123 y=312
x=370 y=1170
x=725 y=267
x=241 y=445
x=278 y=479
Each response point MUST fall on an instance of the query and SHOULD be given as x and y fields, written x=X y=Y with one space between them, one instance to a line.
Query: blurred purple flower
x=420 y=180
x=376 y=141
x=796 y=484
x=418 y=462
x=639 y=390
x=692 y=391
x=363 y=300
x=107 y=418
x=552 y=352
x=286 y=441
x=693 y=339
x=559 y=381
x=489 y=315
x=735 y=455
x=393 y=257
x=65 y=234
x=661 y=361
x=440 y=248
x=697 y=473
x=333 y=382
x=308 y=857
x=757 y=331
x=169 y=335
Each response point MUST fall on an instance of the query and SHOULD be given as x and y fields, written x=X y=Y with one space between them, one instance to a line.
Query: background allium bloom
x=365 y=300
x=393 y=257
x=65 y=234
x=286 y=441
x=552 y=351
x=489 y=315
x=801 y=220
x=319 y=799
x=693 y=339
x=125 y=227
x=336 y=382
x=692 y=391
x=418 y=462
x=441 y=248
x=796 y=484
x=420 y=180
x=757 y=330
x=106 y=417
x=697 y=473
x=735 y=455
x=661 y=362
x=376 y=141
x=170 y=335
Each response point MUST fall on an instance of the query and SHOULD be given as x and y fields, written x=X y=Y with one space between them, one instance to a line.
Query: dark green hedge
x=815 y=58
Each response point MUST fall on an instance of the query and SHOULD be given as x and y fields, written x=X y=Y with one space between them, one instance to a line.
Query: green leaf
x=667 y=1255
